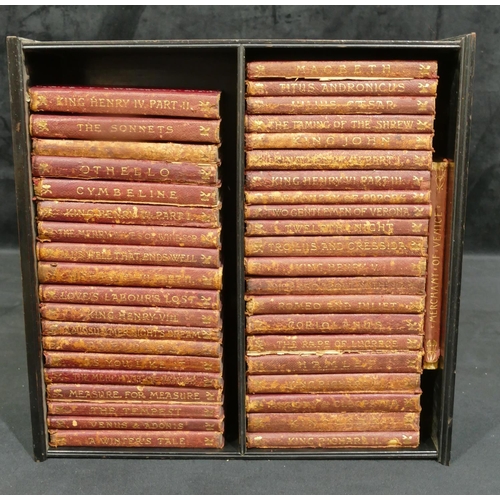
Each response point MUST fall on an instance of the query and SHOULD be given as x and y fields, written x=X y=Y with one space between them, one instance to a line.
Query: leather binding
x=133 y=192
x=334 y=180
x=137 y=424
x=136 y=439
x=341 y=159
x=111 y=213
x=124 y=101
x=339 y=227
x=128 y=296
x=404 y=383
x=139 y=409
x=332 y=422
x=121 y=361
x=341 y=70
x=160 y=151
x=124 y=128
x=331 y=344
x=345 y=440
x=311 y=403
x=415 y=87
x=304 y=140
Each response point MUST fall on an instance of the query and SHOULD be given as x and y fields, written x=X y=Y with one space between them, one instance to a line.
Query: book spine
x=127 y=331
x=70 y=232
x=283 y=180
x=136 y=439
x=132 y=377
x=304 y=140
x=437 y=228
x=365 y=211
x=342 y=70
x=124 y=275
x=332 y=422
x=125 y=101
x=325 y=227
x=124 y=128
x=134 y=192
x=307 y=304
x=137 y=424
x=291 y=105
x=311 y=403
x=133 y=346
x=129 y=254
x=110 y=213
x=335 y=323
x=336 y=266
x=335 y=246
x=134 y=410
x=340 y=440
x=54 y=359
x=408 y=383
x=331 y=344
x=127 y=296
x=337 y=159
x=337 y=197
x=160 y=151
x=99 y=392
x=393 y=362
x=414 y=87
x=124 y=170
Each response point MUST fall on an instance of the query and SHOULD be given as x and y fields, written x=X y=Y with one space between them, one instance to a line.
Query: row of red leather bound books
x=126 y=183
x=343 y=251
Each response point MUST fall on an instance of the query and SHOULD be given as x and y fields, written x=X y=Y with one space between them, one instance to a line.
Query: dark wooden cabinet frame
x=220 y=64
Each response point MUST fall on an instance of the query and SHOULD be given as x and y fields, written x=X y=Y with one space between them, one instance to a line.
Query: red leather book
x=390 y=362
x=294 y=180
x=126 y=101
x=124 y=128
x=133 y=346
x=87 y=360
x=132 y=192
x=128 y=296
x=306 y=140
x=317 y=304
x=334 y=344
x=341 y=70
x=336 y=266
x=111 y=213
x=308 y=403
x=136 y=439
x=346 y=285
x=134 y=409
x=362 y=105
x=132 y=377
x=313 y=212
x=126 y=275
x=337 y=159
x=135 y=424
x=414 y=87
x=344 y=440
x=334 y=227
x=75 y=232
x=128 y=254
x=160 y=151
x=332 y=422
x=129 y=331
x=336 y=197
x=124 y=170
x=334 y=246
x=404 y=383
x=335 y=323
x=85 y=392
